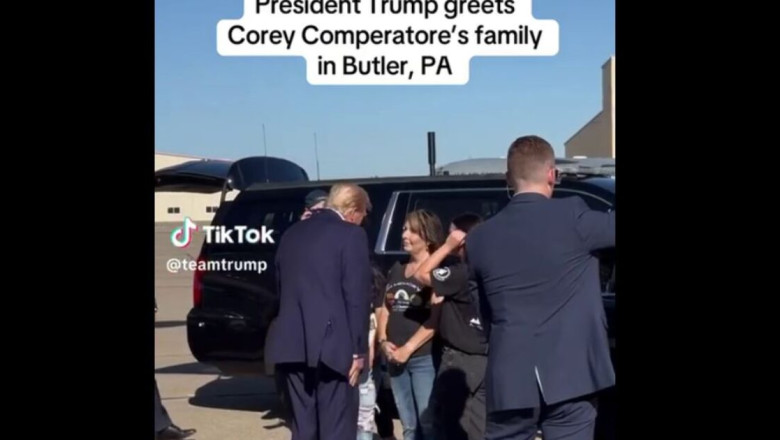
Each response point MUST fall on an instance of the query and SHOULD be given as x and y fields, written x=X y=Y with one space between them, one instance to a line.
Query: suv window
x=592 y=201
x=273 y=214
x=447 y=204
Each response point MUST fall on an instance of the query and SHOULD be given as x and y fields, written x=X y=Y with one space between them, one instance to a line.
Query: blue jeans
x=412 y=384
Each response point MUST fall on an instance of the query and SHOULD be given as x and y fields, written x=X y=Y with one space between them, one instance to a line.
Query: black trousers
x=458 y=396
x=161 y=418
x=571 y=420
x=324 y=406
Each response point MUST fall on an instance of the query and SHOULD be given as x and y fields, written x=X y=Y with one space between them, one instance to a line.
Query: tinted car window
x=373 y=221
x=592 y=202
x=397 y=223
x=273 y=214
x=447 y=205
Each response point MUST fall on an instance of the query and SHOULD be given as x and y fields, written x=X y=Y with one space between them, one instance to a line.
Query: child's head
x=379 y=282
x=464 y=222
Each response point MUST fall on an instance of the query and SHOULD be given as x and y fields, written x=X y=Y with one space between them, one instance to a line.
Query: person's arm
x=421 y=336
x=450 y=281
x=382 y=317
x=447 y=282
x=595 y=228
x=372 y=345
x=453 y=242
x=356 y=288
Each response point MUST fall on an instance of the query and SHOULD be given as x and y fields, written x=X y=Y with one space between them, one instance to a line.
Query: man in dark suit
x=163 y=425
x=539 y=281
x=319 y=342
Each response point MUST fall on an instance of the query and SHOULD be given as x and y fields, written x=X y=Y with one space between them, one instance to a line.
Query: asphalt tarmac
x=196 y=395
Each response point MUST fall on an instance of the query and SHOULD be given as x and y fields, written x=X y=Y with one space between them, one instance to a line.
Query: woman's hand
x=388 y=348
x=401 y=355
x=456 y=239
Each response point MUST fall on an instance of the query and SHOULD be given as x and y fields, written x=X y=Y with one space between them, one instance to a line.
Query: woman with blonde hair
x=407 y=326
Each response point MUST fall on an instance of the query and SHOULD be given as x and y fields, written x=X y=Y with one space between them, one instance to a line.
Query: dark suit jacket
x=324 y=283
x=539 y=281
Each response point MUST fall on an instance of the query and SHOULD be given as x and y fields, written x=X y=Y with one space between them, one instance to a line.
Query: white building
x=174 y=206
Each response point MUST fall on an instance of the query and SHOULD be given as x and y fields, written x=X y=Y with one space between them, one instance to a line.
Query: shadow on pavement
x=169 y=324
x=256 y=394
x=191 y=368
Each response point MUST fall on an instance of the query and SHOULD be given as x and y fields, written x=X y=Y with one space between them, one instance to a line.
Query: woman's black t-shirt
x=409 y=304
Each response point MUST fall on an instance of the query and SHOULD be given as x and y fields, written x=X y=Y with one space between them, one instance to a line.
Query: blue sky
x=213 y=106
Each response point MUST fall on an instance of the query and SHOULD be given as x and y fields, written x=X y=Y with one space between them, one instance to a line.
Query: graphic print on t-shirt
x=402 y=294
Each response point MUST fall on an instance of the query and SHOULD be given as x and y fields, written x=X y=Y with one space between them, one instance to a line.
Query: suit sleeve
x=596 y=229
x=356 y=288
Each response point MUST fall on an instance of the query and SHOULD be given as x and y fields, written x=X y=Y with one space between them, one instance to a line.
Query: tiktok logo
x=181 y=236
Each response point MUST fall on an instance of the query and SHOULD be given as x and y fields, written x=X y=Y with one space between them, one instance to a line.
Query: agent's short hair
x=529 y=158
x=466 y=221
x=428 y=226
x=346 y=197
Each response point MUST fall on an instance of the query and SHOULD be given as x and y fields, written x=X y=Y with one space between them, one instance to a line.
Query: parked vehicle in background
x=233 y=310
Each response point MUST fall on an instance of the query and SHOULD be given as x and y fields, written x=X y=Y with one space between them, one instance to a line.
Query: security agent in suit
x=316 y=199
x=539 y=281
x=319 y=341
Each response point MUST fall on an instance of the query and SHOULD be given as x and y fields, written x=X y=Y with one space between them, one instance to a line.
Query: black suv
x=232 y=310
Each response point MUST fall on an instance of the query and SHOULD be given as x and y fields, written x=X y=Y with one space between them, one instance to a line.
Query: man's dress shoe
x=174 y=432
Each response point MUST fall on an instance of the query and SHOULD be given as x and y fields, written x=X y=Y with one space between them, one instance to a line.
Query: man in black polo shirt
x=458 y=392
